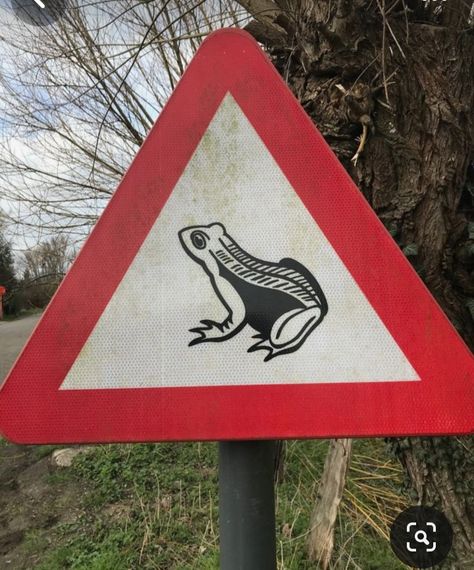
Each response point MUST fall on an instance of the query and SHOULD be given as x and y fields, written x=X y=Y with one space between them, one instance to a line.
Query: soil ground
x=29 y=502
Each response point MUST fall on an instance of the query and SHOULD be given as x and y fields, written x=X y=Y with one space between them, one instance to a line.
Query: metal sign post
x=247 y=505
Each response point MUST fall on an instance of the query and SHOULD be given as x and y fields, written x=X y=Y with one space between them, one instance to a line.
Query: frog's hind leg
x=311 y=279
x=294 y=326
x=289 y=332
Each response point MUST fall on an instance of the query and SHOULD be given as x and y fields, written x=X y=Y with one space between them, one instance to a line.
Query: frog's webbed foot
x=263 y=344
x=212 y=331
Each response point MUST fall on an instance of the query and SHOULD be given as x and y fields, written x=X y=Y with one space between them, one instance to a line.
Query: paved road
x=13 y=335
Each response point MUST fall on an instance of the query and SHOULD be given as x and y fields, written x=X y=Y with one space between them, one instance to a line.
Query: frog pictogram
x=282 y=301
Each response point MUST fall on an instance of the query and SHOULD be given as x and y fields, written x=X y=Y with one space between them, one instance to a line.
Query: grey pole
x=247 y=505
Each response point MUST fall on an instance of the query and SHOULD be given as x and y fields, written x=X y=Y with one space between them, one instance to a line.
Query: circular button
x=38 y=12
x=421 y=537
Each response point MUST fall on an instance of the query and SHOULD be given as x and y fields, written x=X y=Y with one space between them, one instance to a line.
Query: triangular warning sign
x=238 y=286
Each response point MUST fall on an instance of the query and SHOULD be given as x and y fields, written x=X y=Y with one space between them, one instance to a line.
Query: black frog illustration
x=282 y=301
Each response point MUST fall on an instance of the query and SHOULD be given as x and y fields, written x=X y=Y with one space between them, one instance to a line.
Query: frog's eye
x=199 y=240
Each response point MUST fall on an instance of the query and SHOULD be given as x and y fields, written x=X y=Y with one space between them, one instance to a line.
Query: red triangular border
x=33 y=410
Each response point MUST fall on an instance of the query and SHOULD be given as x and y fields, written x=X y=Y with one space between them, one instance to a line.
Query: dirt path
x=13 y=335
x=31 y=501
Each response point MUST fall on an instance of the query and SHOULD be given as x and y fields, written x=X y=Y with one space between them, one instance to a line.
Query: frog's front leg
x=289 y=331
x=212 y=331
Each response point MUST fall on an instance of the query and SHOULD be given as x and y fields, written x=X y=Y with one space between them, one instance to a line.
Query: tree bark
x=399 y=72
x=441 y=472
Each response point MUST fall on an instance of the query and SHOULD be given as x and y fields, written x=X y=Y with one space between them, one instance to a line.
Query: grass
x=155 y=507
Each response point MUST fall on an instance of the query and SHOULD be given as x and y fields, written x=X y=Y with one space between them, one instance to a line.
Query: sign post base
x=247 y=505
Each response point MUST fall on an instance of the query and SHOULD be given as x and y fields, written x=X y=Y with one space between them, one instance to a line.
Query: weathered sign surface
x=238 y=286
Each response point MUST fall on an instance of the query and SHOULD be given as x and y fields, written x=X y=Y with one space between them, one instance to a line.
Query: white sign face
x=233 y=186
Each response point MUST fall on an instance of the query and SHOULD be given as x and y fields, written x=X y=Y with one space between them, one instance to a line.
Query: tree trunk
x=441 y=472
x=399 y=72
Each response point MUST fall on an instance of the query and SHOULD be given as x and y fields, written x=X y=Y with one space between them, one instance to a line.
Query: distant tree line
x=7 y=275
x=33 y=279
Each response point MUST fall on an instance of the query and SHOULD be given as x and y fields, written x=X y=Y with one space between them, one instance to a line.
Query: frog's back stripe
x=288 y=276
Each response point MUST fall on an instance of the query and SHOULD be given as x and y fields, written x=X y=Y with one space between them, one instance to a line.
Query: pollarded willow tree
x=390 y=85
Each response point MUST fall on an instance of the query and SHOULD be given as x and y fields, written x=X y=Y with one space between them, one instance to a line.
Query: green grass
x=155 y=507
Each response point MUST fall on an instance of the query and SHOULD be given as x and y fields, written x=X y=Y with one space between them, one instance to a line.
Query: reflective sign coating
x=242 y=288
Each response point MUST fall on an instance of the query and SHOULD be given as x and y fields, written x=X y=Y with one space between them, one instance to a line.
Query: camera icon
x=421 y=537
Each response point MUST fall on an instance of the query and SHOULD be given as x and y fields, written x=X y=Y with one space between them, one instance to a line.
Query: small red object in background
x=2 y=292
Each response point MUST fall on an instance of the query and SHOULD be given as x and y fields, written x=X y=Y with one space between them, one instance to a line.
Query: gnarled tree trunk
x=399 y=73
